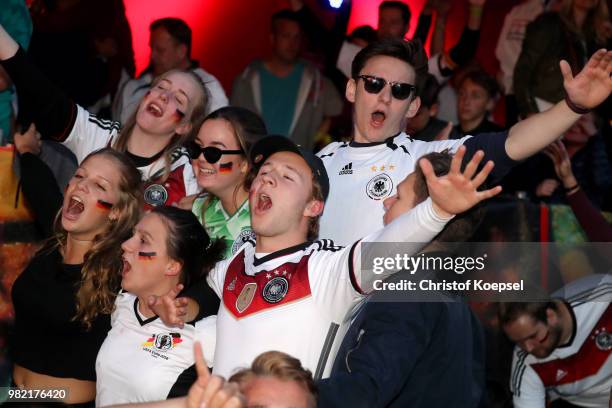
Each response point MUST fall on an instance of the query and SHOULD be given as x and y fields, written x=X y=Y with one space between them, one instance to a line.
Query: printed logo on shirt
x=276 y=289
x=347 y=169
x=245 y=235
x=232 y=286
x=246 y=296
x=379 y=187
x=161 y=342
x=603 y=340
x=561 y=374
x=155 y=195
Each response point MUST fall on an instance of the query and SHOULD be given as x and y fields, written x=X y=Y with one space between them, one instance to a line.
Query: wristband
x=572 y=189
x=575 y=108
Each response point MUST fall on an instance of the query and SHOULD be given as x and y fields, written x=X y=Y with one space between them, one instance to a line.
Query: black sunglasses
x=399 y=90
x=211 y=154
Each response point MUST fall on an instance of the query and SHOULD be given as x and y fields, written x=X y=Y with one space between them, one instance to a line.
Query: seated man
x=170 y=43
x=564 y=345
x=406 y=352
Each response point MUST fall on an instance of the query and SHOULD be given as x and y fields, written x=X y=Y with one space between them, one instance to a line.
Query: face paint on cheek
x=103 y=205
x=178 y=116
x=146 y=256
x=226 y=167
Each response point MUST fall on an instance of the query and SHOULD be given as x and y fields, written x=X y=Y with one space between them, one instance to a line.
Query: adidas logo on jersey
x=348 y=169
x=561 y=374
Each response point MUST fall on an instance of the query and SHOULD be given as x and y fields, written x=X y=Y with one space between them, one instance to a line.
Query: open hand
x=593 y=84
x=457 y=191
x=563 y=166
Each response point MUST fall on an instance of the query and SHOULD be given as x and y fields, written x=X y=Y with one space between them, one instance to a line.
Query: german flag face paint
x=146 y=256
x=226 y=167
x=103 y=205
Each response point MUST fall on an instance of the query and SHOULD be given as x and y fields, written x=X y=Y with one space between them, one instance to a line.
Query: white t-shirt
x=127 y=99
x=142 y=358
x=362 y=177
x=295 y=300
x=580 y=372
x=91 y=133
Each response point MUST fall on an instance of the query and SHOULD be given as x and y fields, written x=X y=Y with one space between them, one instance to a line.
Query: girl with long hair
x=143 y=359
x=64 y=297
x=152 y=138
x=220 y=162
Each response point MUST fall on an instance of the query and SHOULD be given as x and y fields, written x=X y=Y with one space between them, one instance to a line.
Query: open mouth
x=378 y=118
x=206 y=172
x=75 y=207
x=264 y=202
x=126 y=267
x=155 y=110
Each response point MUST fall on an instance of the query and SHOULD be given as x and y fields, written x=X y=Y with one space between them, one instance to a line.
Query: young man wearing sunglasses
x=386 y=77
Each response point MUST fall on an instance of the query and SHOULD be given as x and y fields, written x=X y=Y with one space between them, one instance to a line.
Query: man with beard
x=563 y=345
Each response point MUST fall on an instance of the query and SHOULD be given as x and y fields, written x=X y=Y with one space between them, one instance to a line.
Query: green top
x=234 y=230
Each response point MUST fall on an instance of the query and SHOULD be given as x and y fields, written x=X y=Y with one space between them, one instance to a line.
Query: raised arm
x=464 y=50
x=585 y=91
x=329 y=40
x=592 y=222
x=38 y=182
x=451 y=194
x=39 y=99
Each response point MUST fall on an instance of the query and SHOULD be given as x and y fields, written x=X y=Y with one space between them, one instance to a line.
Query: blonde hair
x=101 y=271
x=197 y=114
x=281 y=366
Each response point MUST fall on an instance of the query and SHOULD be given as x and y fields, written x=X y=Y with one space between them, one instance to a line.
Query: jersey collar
x=388 y=141
x=137 y=313
x=279 y=253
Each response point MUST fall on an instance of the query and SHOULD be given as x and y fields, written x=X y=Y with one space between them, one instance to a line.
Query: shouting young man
x=385 y=78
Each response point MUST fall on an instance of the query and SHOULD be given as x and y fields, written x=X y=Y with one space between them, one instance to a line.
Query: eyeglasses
x=211 y=154
x=399 y=90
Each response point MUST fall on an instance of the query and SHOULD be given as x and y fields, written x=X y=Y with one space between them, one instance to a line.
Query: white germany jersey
x=361 y=176
x=581 y=371
x=91 y=133
x=293 y=301
x=142 y=358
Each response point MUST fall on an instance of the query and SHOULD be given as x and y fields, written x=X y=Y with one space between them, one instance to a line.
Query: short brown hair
x=440 y=162
x=411 y=52
x=510 y=311
x=281 y=366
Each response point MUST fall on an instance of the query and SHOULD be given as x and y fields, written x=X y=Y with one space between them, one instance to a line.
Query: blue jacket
x=408 y=354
